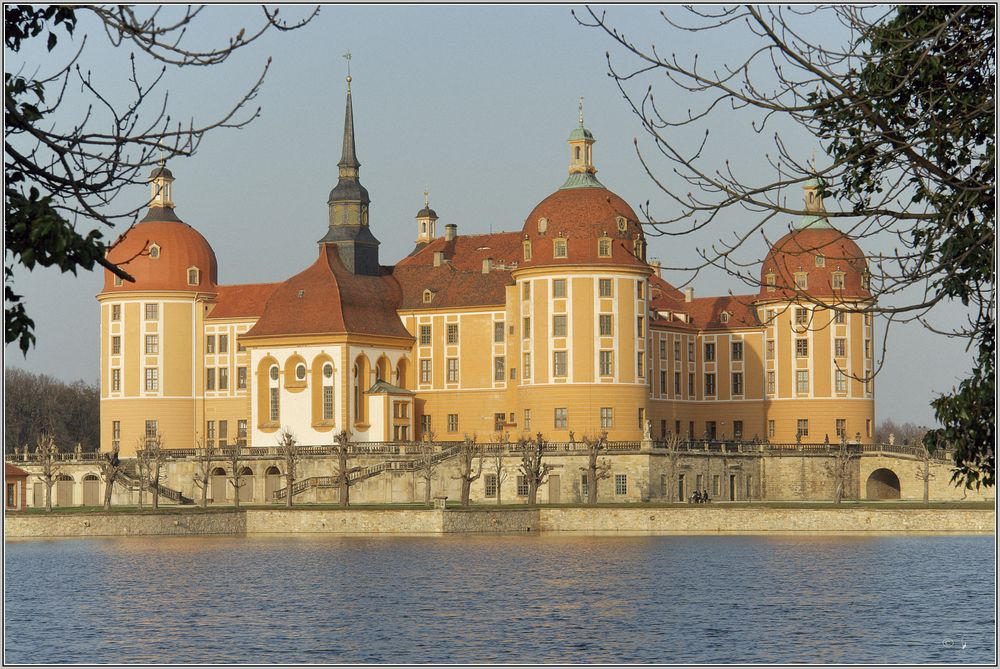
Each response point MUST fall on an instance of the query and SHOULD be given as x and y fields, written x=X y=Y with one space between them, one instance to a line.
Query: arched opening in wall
x=218 y=484
x=64 y=490
x=382 y=368
x=361 y=371
x=882 y=484
x=401 y=372
x=246 y=492
x=91 y=490
x=272 y=481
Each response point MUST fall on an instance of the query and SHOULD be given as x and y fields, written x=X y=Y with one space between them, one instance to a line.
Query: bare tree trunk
x=156 y=484
x=48 y=495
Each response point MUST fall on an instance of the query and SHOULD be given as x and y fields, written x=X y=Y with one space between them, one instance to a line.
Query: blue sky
x=474 y=103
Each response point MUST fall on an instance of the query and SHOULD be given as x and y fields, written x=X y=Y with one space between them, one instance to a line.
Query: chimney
x=657 y=267
x=688 y=294
x=487 y=265
x=438 y=258
x=450 y=232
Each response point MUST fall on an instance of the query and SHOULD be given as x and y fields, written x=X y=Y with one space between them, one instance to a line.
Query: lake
x=504 y=599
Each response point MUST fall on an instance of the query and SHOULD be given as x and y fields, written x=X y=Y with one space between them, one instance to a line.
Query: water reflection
x=542 y=598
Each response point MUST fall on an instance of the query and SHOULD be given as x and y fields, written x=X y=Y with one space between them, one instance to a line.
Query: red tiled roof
x=582 y=215
x=10 y=471
x=181 y=247
x=459 y=280
x=242 y=301
x=705 y=312
x=797 y=251
x=327 y=298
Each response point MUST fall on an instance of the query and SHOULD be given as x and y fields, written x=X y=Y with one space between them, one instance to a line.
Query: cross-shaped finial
x=347 y=57
x=581 y=111
x=427 y=200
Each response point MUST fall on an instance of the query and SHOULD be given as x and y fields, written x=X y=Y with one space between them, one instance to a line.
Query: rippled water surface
x=542 y=598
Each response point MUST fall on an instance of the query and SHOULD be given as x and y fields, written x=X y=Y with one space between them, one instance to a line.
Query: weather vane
x=347 y=57
x=581 y=110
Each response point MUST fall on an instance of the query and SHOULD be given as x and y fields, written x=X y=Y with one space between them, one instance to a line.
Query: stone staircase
x=364 y=473
x=132 y=481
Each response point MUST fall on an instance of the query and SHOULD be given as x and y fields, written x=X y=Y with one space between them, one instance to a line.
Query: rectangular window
x=498 y=332
x=240 y=347
x=425 y=370
x=527 y=420
x=498 y=421
x=559 y=363
x=691 y=384
x=642 y=419
x=677 y=349
x=241 y=432
x=223 y=432
x=737 y=429
x=116 y=430
x=677 y=384
x=607 y=417
x=152 y=312
x=801 y=316
x=868 y=348
x=841 y=427
x=607 y=366
x=210 y=344
x=802 y=381
x=604 y=287
x=453 y=422
x=559 y=288
x=710 y=429
x=274 y=413
x=690 y=351
x=770 y=383
x=709 y=352
x=116 y=345
x=152 y=378
x=639 y=288
x=710 y=383
x=736 y=350
x=499 y=372
x=453 y=370
x=116 y=379
x=868 y=427
x=840 y=318
x=690 y=429
x=584 y=491
x=770 y=429
x=640 y=367
x=116 y=312
x=838 y=281
x=327 y=402
x=715 y=485
x=770 y=349
x=151 y=429
x=802 y=427
x=527 y=250
x=490 y=485
x=801 y=281
x=152 y=344
x=604 y=324
x=801 y=348
x=210 y=433
x=621 y=484
x=526 y=369
x=223 y=378
x=840 y=347
x=452 y=333
x=425 y=335
x=525 y=290
x=841 y=381
x=560 y=421
x=770 y=316
x=559 y=326
x=737 y=383
x=223 y=343
x=559 y=249
x=525 y=328
x=663 y=382
x=522 y=486
x=425 y=424
x=210 y=378
x=638 y=326
x=604 y=247
x=663 y=349
x=241 y=378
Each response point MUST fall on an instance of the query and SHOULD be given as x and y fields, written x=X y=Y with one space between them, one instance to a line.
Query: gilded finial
x=581 y=111
x=347 y=57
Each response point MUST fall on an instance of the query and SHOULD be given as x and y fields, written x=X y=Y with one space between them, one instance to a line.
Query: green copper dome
x=580 y=133
x=812 y=221
x=581 y=180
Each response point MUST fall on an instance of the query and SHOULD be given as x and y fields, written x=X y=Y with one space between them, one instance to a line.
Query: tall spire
x=349 y=158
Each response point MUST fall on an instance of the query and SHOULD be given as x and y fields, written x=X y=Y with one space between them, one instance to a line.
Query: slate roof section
x=242 y=300
x=326 y=298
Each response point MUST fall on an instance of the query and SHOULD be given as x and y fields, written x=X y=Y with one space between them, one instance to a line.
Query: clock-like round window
x=543 y=224
x=622 y=223
x=154 y=251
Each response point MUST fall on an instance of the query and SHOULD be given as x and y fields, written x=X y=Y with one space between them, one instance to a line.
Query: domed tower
x=426 y=223
x=813 y=299
x=150 y=328
x=582 y=291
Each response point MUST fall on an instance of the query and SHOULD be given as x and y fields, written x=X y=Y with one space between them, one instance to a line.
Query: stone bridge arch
x=882 y=484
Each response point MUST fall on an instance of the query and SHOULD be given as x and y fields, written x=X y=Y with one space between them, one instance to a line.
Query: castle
x=562 y=328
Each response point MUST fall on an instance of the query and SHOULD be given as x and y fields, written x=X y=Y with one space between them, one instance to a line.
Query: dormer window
x=154 y=251
x=801 y=281
x=838 y=281
x=527 y=251
x=543 y=225
x=428 y=296
x=770 y=280
x=639 y=248
x=559 y=249
x=724 y=317
x=865 y=279
x=118 y=280
x=604 y=247
x=820 y=261
x=194 y=276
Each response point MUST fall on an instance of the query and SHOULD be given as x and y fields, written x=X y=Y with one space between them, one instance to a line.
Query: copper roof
x=180 y=247
x=797 y=252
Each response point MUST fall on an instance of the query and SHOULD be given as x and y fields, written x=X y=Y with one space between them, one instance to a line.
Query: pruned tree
x=234 y=457
x=534 y=471
x=840 y=470
x=495 y=456
x=902 y=99
x=71 y=149
x=924 y=473
x=469 y=452
x=427 y=466
x=142 y=466
x=204 y=458
x=597 y=469
x=342 y=449
x=288 y=450
x=47 y=459
x=672 y=448
x=110 y=467
x=157 y=458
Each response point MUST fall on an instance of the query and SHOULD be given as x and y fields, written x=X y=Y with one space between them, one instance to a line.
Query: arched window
x=327 y=392
x=527 y=251
x=578 y=153
x=194 y=277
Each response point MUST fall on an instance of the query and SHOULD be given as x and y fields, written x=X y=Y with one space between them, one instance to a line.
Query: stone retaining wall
x=547 y=519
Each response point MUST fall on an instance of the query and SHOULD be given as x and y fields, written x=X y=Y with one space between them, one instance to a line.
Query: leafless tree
x=840 y=470
x=495 y=457
x=110 y=467
x=205 y=457
x=427 y=465
x=904 y=433
x=671 y=447
x=234 y=457
x=288 y=449
x=47 y=457
x=468 y=454
x=597 y=469
x=924 y=473
x=342 y=449
x=534 y=471
x=142 y=466
x=157 y=458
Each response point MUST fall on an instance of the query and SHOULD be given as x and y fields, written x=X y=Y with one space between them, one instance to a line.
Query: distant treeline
x=36 y=403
